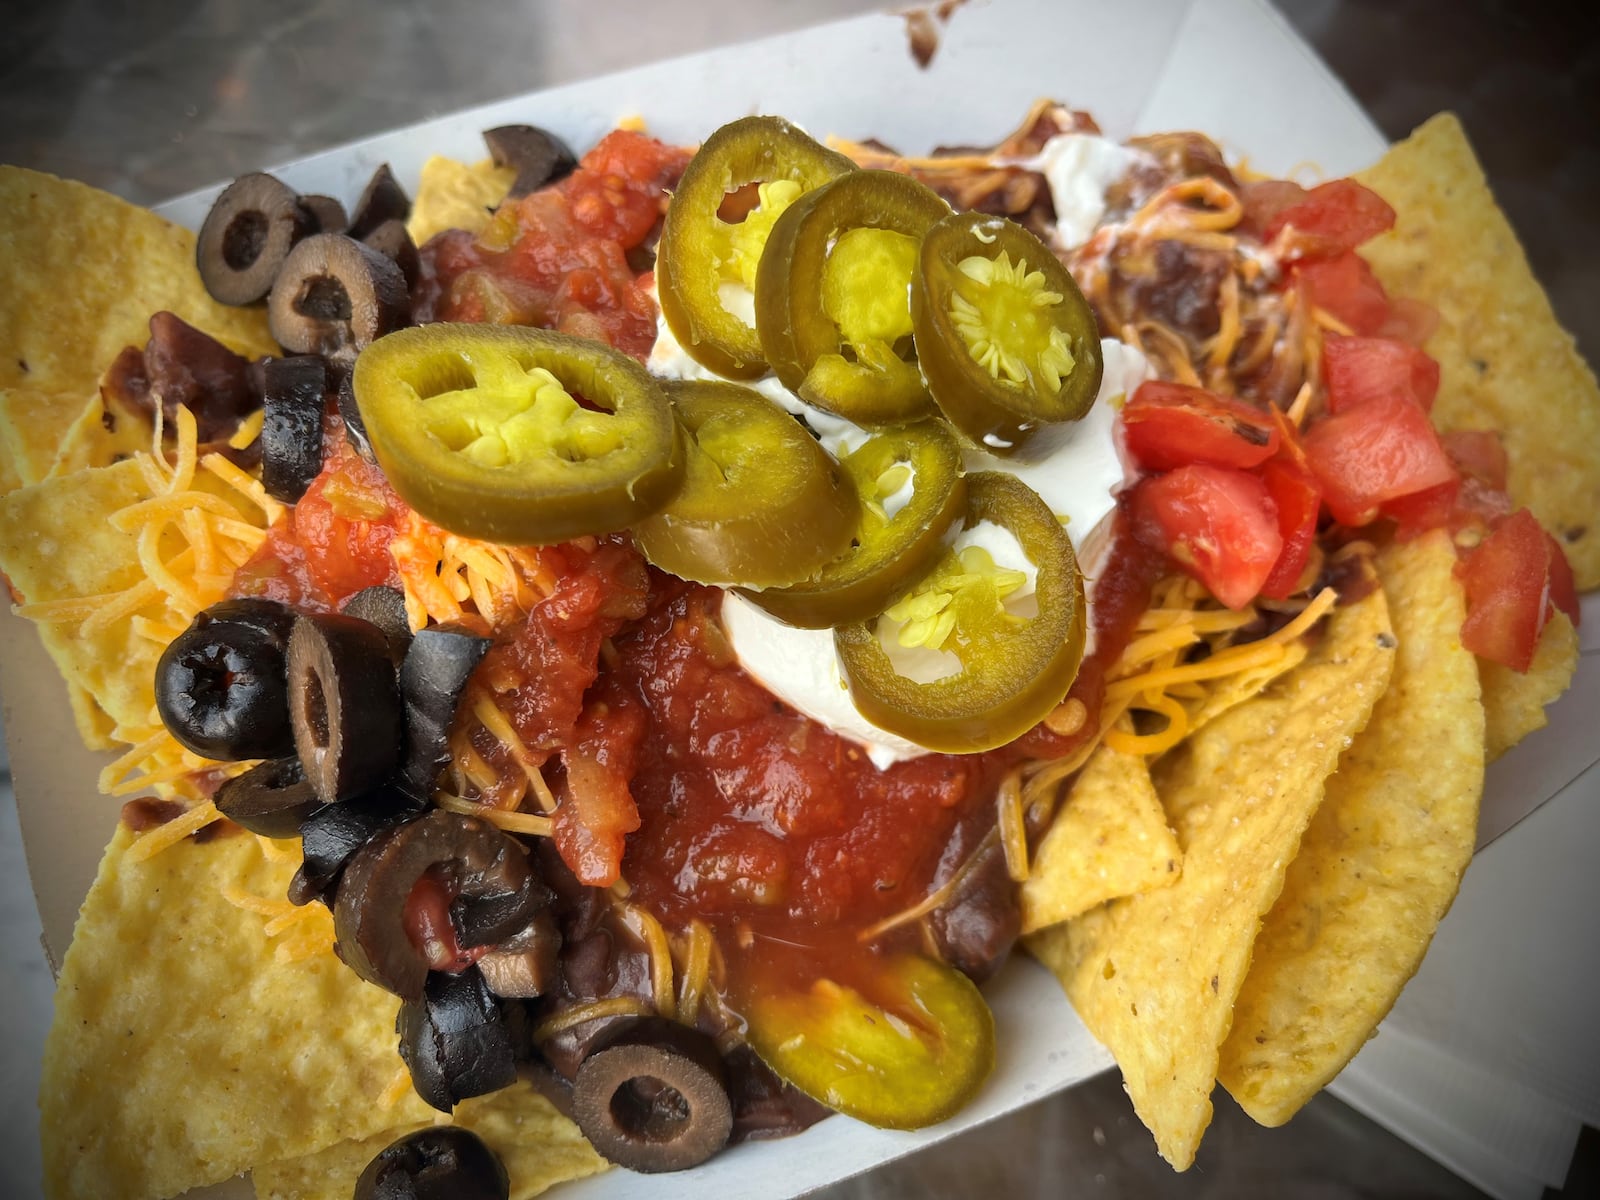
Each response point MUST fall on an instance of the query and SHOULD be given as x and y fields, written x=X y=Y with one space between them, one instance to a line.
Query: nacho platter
x=1070 y=1065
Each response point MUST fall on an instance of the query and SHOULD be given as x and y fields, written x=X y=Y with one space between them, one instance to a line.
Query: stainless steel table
x=154 y=98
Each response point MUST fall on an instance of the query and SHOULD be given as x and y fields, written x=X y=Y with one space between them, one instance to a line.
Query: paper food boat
x=1230 y=68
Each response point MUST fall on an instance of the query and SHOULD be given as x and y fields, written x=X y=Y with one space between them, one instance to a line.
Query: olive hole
x=245 y=238
x=647 y=1108
x=323 y=298
x=317 y=710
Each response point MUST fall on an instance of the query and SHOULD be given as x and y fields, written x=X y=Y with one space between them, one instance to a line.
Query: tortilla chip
x=1233 y=690
x=33 y=426
x=114 y=667
x=454 y=195
x=1514 y=701
x=539 y=1147
x=95 y=725
x=1505 y=362
x=1381 y=862
x=182 y=1051
x=1154 y=977
x=1110 y=839
x=81 y=272
x=102 y=435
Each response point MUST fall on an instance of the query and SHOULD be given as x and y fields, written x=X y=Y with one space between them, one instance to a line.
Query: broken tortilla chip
x=1109 y=839
x=81 y=272
x=456 y=195
x=110 y=670
x=183 y=1051
x=1381 y=862
x=1514 y=701
x=33 y=426
x=104 y=433
x=538 y=1146
x=1505 y=362
x=1154 y=976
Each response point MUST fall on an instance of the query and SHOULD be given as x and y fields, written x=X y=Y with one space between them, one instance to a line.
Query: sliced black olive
x=445 y=1162
x=383 y=199
x=487 y=880
x=435 y=671
x=271 y=798
x=455 y=1041
x=272 y=620
x=221 y=688
x=355 y=429
x=329 y=213
x=526 y=964
x=334 y=832
x=335 y=294
x=384 y=607
x=655 y=1098
x=392 y=240
x=291 y=427
x=247 y=235
x=343 y=704
x=538 y=156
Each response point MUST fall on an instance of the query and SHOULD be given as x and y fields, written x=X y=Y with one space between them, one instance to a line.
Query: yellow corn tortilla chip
x=539 y=1147
x=1505 y=363
x=1514 y=701
x=1381 y=862
x=183 y=1052
x=104 y=434
x=33 y=426
x=57 y=543
x=1233 y=690
x=456 y=195
x=1110 y=839
x=81 y=272
x=1154 y=976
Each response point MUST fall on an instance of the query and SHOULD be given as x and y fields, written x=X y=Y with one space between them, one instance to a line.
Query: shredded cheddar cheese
x=615 y=1006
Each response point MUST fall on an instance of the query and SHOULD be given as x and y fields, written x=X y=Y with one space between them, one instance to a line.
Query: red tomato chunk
x=1219 y=525
x=1358 y=369
x=1376 y=452
x=1331 y=219
x=1170 y=425
x=1507 y=581
x=1347 y=290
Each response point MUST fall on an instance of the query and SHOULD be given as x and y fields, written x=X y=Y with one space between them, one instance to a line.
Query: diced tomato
x=1507 y=582
x=1410 y=320
x=1217 y=524
x=1432 y=508
x=1479 y=453
x=1358 y=368
x=1476 y=500
x=1347 y=290
x=1333 y=219
x=1264 y=199
x=426 y=920
x=1298 y=500
x=1563 y=588
x=1373 y=453
x=1169 y=425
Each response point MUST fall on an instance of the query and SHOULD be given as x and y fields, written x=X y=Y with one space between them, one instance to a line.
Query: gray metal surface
x=155 y=97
